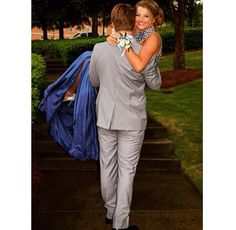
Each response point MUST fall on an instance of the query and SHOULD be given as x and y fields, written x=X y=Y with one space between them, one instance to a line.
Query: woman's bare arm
x=151 y=46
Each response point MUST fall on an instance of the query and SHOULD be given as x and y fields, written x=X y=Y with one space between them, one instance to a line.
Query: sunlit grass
x=193 y=60
x=181 y=113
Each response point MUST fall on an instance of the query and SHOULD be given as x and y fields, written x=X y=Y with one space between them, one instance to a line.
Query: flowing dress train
x=73 y=124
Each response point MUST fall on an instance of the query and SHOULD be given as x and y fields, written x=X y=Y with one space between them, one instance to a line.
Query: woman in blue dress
x=70 y=102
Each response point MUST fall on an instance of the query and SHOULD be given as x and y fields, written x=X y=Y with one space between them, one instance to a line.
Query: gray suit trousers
x=119 y=155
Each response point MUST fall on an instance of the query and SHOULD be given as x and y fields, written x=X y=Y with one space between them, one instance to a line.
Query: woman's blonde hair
x=156 y=11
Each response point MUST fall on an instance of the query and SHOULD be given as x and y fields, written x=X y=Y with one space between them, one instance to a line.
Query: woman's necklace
x=142 y=35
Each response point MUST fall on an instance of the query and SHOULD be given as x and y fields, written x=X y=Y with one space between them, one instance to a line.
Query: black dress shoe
x=131 y=227
x=108 y=221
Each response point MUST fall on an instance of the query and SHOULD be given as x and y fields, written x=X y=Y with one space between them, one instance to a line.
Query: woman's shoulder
x=154 y=37
x=154 y=41
x=153 y=45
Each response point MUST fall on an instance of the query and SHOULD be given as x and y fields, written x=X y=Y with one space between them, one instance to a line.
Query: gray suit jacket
x=121 y=99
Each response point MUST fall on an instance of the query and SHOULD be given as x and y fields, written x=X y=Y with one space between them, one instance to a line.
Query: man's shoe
x=108 y=221
x=131 y=227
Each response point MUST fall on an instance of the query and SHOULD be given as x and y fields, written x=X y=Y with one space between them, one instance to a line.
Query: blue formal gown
x=73 y=124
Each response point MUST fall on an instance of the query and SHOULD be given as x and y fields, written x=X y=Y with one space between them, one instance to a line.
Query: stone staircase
x=69 y=196
x=156 y=152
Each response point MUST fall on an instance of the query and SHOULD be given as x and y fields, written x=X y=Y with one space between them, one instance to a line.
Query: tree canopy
x=59 y=14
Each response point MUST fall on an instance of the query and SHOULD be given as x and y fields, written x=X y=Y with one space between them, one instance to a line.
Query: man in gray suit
x=121 y=117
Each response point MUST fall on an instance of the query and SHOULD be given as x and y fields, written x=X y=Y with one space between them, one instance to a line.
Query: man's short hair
x=123 y=17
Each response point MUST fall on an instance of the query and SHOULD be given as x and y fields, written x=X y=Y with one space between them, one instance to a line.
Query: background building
x=37 y=33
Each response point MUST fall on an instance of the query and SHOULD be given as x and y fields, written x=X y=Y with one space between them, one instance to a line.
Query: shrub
x=167 y=41
x=192 y=40
x=35 y=102
x=46 y=48
x=69 y=50
x=38 y=76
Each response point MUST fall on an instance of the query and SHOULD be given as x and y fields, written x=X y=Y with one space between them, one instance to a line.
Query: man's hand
x=112 y=39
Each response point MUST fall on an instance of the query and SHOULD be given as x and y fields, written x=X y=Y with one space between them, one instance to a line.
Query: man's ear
x=113 y=28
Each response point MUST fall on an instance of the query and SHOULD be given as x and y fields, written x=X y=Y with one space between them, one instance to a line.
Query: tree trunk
x=103 y=24
x=45 y=32
x=178 y=13
x=95 y=24
x=179 y=57
x=43 y=21
x=61 y=30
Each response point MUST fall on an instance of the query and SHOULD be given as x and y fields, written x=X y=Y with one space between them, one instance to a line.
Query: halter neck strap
x=142 y=35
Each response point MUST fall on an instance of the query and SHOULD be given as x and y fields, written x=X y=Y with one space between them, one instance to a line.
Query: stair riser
x=43 y=133
x=157 y=164
x=155 y=133
x=70 y=164
x=150 y=124
x=54 y=64
x=64 y=154
x=48 y=82
x=157 y=148
x=52 y=147
x=56 y=70
x=52 y=164
x=53 y=60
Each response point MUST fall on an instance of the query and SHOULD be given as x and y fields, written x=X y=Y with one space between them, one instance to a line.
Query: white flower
x=124 y=42
x=127 y=42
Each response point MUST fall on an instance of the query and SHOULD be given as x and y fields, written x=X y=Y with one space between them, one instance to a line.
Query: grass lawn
x=193 y=60
x=181 y=113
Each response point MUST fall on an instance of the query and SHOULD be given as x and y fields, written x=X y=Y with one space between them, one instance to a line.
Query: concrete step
x=64 y=154
x=150 y=133
x=155 y=132
x=161 y=200
x=154 y=129
x=149 y=146
x=67 y=163
x=157 y=146
x=152 y=164
x=150 y=122
x=146 y=163
x=55 y=70
x=53 y=61
x=146 y=220
x=54 y=74
x=159 y=190
x=55 y=66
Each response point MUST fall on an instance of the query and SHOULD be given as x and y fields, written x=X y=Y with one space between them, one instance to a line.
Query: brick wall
x=37 y=33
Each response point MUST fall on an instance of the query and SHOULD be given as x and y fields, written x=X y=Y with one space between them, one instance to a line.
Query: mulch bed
x=177 y=77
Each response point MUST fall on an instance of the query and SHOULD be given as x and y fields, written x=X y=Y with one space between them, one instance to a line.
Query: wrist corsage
x=124 y=43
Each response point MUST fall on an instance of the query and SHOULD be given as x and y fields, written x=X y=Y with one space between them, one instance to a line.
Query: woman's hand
x=112 y=39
